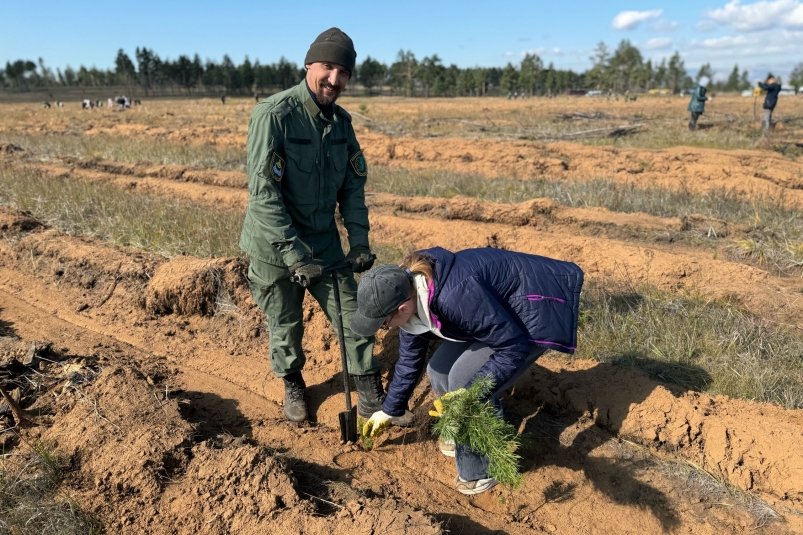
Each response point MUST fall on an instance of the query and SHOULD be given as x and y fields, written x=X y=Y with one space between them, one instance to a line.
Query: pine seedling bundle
x=469 y=418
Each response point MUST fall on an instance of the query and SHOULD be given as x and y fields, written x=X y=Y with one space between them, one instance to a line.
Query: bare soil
x=150 y=374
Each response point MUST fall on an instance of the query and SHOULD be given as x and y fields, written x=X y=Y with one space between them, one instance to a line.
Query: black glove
x=305 y=273
x=360 y=258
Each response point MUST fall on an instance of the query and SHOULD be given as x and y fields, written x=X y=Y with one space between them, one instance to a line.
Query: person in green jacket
x=304 y=163
x=697 y=102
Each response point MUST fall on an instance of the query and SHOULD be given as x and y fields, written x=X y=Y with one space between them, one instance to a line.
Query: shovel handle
x=347 y=419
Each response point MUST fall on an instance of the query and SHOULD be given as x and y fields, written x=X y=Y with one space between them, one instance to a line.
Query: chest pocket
x=300 y=155
x=300 y=186
x=340 y=156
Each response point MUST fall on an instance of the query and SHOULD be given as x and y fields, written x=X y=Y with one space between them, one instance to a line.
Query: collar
x=423 y=320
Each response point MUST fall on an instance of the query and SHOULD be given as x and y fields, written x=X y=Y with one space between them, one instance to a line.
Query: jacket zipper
x=536 y=297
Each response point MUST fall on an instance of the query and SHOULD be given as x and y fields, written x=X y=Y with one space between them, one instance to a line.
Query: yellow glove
x=438 y=403
x=377 y=423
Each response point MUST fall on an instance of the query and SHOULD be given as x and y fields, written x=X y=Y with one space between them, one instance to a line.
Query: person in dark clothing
x=697 y=102
x=495 y=313
x=772 y=88
x=305 y=167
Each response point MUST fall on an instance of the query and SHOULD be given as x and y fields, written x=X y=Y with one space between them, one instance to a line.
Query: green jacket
x=697 y=101
x=301 y=168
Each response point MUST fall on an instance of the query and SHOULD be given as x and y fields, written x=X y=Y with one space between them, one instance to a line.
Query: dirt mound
x=747 y=444
x=187 y=285
x=231 y=488
x=126 y=436
x=744 y=172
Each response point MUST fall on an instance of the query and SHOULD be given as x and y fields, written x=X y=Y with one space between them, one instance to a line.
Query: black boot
x=370 y=394
x=295 y=408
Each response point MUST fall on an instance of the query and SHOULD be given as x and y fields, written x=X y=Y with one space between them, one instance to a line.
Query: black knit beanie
x=332 y=46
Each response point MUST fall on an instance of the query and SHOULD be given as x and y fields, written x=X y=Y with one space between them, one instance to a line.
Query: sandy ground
x=150 y=373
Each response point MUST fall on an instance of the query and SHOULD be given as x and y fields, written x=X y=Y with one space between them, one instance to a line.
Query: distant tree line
x=622 y=71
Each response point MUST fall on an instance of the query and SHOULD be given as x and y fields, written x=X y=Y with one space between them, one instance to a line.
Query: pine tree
x=469 y=418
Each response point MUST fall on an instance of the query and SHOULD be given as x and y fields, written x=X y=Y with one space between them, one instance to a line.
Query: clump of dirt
x=125 y=437
x=18 y=222
x=231 y=488
x=187 y=285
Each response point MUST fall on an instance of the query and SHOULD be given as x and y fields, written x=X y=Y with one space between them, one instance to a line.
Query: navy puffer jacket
x=507 y=300
x=771 y=99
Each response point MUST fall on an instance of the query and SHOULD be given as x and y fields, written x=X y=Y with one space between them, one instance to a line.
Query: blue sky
x=759 y=36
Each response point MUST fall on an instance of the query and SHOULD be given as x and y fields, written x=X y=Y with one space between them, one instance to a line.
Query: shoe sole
x=448 y=453
x=477 y=490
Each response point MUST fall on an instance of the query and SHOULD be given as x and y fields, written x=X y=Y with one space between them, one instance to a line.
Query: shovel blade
x=348 y=425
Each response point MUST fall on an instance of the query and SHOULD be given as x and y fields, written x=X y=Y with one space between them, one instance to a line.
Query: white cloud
x=763 y=15
x=759 y=52
x=658 y=43
x=627 y=20
x=728 y=41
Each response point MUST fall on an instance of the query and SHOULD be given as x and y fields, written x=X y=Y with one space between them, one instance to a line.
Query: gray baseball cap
x=379 y=294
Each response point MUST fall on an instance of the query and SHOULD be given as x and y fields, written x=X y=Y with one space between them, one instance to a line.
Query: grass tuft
x=30 y=502
x=704 y=345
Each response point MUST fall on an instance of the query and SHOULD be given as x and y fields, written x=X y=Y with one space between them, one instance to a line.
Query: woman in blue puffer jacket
x=495 y=312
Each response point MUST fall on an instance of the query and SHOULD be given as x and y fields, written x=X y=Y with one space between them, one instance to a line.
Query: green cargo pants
x=282 y=302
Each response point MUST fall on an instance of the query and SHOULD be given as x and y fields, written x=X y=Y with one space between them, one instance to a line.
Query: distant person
x=697 y=102
x=304 y=164
x=494 y=311
x=772 y=88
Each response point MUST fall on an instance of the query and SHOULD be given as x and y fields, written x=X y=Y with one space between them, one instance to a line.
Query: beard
x=327 y=94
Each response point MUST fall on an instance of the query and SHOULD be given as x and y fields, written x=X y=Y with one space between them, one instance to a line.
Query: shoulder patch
x=358 y=164
x=276 y=166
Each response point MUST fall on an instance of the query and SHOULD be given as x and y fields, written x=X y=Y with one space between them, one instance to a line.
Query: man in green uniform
x=304 y=162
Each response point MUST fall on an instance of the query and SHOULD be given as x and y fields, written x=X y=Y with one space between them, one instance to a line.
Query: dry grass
x=128 y=150
x=30 y=501
x=161 y=225
x=699 y=344
x=775 y=231
x=730 y=121
x=717 y=492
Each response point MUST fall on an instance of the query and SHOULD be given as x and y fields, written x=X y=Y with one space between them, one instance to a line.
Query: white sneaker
x=446 y=447
x=475 y=487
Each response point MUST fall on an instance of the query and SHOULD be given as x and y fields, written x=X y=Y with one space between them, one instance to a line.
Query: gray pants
x=693 y=120
x=282 y=302
x=766 y=120
x=451 y=367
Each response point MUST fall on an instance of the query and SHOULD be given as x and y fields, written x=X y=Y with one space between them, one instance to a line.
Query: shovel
x=347 y=418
